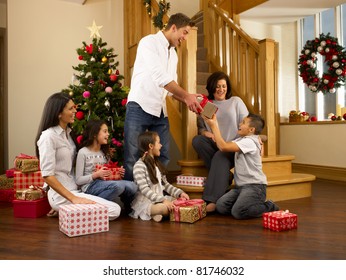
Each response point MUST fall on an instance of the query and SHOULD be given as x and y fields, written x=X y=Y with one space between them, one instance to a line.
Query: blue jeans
x=245 y=202
x=136 y=122
x=111 y=190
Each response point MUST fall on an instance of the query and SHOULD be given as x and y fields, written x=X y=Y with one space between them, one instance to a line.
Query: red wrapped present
x=82 y=219
x=25 y=180
x=32 y=193
x=30 y=208
x=280 y=220
x=10 y=173
x=26 y=163
x=189 y=180
x=188 y=211
x=6 y=183
x=209 y=108
x=113 y=166
x=7 y=195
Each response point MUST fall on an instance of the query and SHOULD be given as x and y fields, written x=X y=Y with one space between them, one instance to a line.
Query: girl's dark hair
x=91 y=131
x=144 y=139
x=180 y=20
x=212 y=84
x=54 y=106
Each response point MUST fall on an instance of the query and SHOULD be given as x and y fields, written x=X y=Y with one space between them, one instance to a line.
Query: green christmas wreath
x=335 y=58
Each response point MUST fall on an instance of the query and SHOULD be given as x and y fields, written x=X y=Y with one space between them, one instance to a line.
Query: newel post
x=268 y=96
x=189 y=74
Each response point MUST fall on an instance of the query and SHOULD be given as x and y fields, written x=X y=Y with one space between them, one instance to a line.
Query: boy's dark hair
x=53 y=107
x=144 y=139
x=180 y=20
x=90 y=132
x=212 y=84
x=257 y=122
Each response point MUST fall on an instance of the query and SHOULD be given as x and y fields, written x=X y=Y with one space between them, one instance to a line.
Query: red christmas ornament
x=333 y=118
x=344 y=116
x=79 y=139
x=313 y=119
x=89 y=49
x=124 y=101
x=80 y=115
x=113 y=77
x=80 y=57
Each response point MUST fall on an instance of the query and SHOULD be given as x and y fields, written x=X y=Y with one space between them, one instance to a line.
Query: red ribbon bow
x=181 y=202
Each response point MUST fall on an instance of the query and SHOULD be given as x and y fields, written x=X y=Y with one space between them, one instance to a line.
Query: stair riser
x=275 y=193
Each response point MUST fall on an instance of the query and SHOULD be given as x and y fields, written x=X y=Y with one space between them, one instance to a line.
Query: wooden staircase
x=282 y=183
x=222 y=45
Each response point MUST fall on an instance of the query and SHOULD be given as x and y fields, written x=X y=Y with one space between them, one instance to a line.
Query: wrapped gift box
x=115 y=171
x=25 y=180
x=209 y=108
x=30 y=208
x=32 y=193
x=188 y=211
x=280 y=220
x=189 y=180
x=26 y=163
x=10 y=173
x=82 y=219
x=7 y=195
x=6 y=183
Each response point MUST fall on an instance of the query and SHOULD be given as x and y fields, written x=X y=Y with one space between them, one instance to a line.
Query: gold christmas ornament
x=104 y=59
x=71 y=93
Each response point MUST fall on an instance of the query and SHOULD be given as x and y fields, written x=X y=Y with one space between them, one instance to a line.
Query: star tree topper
x=94 y=29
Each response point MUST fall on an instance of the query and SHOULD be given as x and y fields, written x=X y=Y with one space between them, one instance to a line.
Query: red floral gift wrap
x=189 y=180
x=113 y=166
x=280 y=220
x=188 y=211
x=81 y=219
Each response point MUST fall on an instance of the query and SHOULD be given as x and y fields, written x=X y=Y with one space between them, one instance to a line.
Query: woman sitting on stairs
x=231 y=111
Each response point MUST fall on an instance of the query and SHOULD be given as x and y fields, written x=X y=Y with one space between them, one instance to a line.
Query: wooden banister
x=251 y=66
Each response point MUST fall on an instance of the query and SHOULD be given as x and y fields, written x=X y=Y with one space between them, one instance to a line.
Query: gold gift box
x=188 y=214
x=27 y=164
x=30 y=194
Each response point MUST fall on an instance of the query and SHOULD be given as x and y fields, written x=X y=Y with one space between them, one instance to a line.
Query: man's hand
x=192 y=103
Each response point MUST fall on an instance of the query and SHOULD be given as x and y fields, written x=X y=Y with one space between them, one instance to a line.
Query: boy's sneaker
x=272 y=206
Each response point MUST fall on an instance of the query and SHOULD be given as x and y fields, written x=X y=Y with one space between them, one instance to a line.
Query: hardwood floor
x=320 y=235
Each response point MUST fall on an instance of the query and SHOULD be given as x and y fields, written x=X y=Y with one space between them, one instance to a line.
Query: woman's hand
x=209 y=134
x=81 y=200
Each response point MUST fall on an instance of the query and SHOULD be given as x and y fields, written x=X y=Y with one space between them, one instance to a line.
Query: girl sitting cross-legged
x=150 y=176
x=95 y=150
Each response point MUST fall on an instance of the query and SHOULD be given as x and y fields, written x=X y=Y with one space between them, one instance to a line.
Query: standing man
x=154 y=75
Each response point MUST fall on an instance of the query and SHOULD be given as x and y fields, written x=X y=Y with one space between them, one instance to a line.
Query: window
x=325 y=22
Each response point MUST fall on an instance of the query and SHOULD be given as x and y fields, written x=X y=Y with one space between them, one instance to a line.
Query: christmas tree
x=97 y=91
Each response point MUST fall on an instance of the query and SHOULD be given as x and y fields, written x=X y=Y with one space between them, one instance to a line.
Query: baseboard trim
x=331 y=173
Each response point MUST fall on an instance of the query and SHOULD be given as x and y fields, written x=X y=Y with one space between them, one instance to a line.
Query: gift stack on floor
x=30 y=200
x=6 y=187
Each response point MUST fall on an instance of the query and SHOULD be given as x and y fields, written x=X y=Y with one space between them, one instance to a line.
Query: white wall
x=320 y=144
x=43 y=36
x=285 y=35
x=187 y=7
